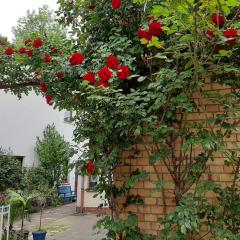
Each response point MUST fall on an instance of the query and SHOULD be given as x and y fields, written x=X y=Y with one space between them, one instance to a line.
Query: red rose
x=155 y=28
x=218 y=48
x=112 y=62
x=22 y=50
x=123 y=72
x=116 y=4
x=210 y=34
x=90 y=77
x=231 y=33
x=28 y=42
x=59 y=75
x=49 y=100
x=43 y=87
x=47 y=58
x=37 y=43
x=151 y=18
x=218 y=19
x=141 y=33
x=103 y=84
x=90 y=168
x=9 y=51
x=76 y=59
x=104 y=74
x=30 y=52
x=53 y=50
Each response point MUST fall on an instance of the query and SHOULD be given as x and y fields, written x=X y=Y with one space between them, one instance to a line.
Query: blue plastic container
x=39 y=235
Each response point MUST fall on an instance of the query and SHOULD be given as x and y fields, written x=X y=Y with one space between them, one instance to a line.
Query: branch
x=19 y=85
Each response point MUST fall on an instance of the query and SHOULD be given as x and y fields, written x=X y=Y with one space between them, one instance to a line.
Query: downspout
x=82 y=194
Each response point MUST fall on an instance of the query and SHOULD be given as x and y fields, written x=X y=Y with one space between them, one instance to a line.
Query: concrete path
x=63 y=223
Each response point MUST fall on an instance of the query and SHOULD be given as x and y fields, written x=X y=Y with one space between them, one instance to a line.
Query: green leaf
x=141 y=79
x=224 y=53
x=159 y=10
x=182 y=9
x=187 y=38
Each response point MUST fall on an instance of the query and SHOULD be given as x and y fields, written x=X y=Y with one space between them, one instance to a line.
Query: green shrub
x=10 y=171
x=34 y=179
x=54 y=154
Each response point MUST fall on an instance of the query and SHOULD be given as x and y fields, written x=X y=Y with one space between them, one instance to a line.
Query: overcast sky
x=12 y=10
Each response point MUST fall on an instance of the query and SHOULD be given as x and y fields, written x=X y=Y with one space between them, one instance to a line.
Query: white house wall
x=21 y=121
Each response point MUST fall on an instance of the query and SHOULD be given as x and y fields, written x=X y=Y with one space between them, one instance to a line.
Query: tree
x=54 y=154
x=4 y=43
x=10 y=171
x=37 y=24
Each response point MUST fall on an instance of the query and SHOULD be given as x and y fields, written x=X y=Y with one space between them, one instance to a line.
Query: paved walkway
x=63 y=223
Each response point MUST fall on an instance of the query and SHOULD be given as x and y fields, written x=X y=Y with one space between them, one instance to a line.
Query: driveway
x=63 y=223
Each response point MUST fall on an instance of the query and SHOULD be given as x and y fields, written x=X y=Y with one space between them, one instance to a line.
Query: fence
x=4 y=222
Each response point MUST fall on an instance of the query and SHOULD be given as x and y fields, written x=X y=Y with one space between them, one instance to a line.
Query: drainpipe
x=82 y=194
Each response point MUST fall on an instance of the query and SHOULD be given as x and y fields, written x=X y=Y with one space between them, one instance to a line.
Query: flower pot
x=39 y=235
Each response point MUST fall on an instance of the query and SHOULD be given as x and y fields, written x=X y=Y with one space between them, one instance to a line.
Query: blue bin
x=65 y=192
x=39 y=235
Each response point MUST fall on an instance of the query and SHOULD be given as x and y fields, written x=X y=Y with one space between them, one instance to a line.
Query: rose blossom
x=155 y=28
x=231 y=33
x=116 y=4
x=76 y=59
x=151 y=18
x=104 y=74
x=217 y=19
x=9 y=51
x=47 y=58
x=30 y=52
x=28 y=42
x=123 y=72
x=112 y=62
x=218 y=48
x=103 y=84
x=59 y=75
x=90 y=168
x=37 y=43
x=43 y=87
x=22 y=50
x=49 y=100
x=90 y=77
x=209 y=33
x=142 y=33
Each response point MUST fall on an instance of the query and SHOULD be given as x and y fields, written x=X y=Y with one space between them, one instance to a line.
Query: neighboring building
x=22 y=121
x=86 y=202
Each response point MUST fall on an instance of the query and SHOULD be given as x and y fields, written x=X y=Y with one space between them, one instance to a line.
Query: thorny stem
x=159 y=177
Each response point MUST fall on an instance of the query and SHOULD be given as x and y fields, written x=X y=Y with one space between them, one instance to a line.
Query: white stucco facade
x=22 y=121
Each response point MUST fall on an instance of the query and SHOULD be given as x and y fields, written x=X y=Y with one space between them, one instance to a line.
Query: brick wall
x=153 y=207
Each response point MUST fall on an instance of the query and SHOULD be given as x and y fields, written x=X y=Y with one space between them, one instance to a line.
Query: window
x=68 y=117
x=93 y=181
x=20 y=159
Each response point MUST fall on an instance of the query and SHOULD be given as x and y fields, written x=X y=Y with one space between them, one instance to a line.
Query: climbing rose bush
x=130 y=73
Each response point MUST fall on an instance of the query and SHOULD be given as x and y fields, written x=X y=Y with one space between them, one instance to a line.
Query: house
x=22 y=121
